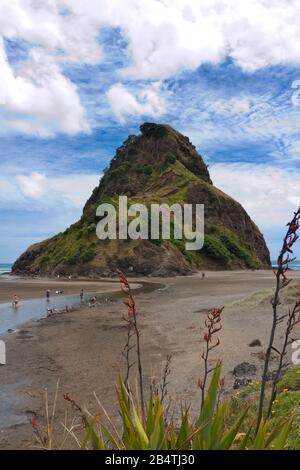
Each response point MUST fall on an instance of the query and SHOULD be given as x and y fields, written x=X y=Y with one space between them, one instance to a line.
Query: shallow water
x=12 y=403
x=12 y=406
x=13 y=318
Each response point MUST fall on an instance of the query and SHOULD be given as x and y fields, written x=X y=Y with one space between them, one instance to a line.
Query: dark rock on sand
x=243 y=369
x=238 y=383
x=254 y=343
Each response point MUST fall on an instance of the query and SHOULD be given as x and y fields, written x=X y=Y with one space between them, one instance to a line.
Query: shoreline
x=33 y=307
x=32 y=289
x=84 y=348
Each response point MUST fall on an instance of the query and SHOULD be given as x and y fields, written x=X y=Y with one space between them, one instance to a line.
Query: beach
x=36 y=288
x=83 y=348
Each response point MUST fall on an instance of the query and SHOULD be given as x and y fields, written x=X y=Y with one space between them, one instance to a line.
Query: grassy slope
x=286 y=405
x=79 y=244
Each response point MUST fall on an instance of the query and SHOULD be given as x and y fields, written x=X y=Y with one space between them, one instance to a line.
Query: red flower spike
x=206 y=337
x=200 y=383
x=67 y=397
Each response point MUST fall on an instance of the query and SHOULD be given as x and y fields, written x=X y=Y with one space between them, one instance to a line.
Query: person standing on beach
x=15 y=301
x=48 y=295
x=81 y=296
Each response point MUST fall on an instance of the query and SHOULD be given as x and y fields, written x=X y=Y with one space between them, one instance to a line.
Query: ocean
x=294 y=265
x=5 y=267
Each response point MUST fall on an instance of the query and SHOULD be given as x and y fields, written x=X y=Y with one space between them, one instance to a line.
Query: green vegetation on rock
x=158 y=166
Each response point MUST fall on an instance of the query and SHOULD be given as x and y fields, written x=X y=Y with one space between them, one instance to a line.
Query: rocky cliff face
x=159 y=165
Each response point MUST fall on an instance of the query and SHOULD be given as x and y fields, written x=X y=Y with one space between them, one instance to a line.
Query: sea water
x=5 y=268
x=293 y=265
x=12 y=318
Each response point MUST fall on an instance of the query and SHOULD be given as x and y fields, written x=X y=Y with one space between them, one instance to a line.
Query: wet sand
x=84 y=348
x=36 y=288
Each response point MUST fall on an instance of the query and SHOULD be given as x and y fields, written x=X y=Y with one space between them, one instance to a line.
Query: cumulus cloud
x=28 y=127
x=167 y=36
x=32 y=186
x=42 y=95
x=146 y=102
x=163 y=37
x=75 y=189
x=268 y=194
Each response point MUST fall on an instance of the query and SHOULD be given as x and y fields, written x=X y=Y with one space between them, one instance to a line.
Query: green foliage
x=208 y=432
x=169 y=160
x=81 y=254
x=291 y=380
x=92 y=228
x=87 y=255
x=132 y=150
x=285 y=407
x=213 y=229
x=157 y=242
x=223 y=245
x=179 y=196
x=180 y=245
x=148 y=170
x=215 y=249
x=119 y=171
x=82 y=233
x=234 y=247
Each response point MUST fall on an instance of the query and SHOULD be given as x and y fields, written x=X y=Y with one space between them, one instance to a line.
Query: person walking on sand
x=48 y=295
x=15 y=301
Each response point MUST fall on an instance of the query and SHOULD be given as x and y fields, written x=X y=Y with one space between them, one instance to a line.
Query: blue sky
x=72 y=96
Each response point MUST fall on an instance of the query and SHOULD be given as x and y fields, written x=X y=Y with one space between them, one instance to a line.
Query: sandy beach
x=83 y=349
x=36 y=288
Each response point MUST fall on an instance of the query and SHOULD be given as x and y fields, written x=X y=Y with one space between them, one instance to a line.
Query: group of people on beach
x=92 y=302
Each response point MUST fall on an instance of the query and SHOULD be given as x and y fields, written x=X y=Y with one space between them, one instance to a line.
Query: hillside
x=159 y=165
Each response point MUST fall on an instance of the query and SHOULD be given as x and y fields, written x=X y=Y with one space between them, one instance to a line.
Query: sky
x=78 y=76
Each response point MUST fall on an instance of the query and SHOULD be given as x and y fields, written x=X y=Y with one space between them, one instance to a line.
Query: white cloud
x=32 y=186
x=163 y=37
x=232 y=106
x=28 y=127
x=73 y=189
x=269 y=194
x=77 y=188
x=167 y=36
x=146 y=102
x=39 y=92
